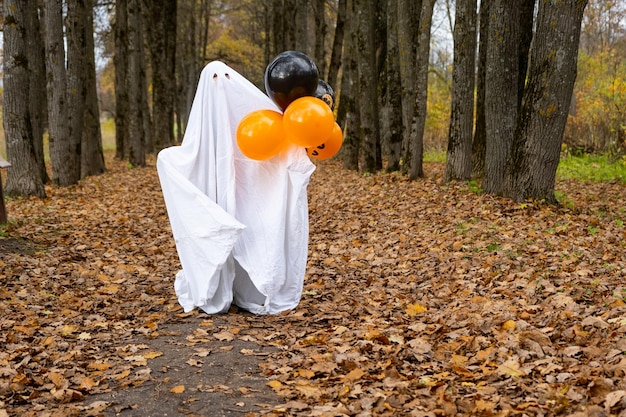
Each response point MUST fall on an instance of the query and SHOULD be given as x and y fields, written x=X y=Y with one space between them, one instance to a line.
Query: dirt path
x=220 y=377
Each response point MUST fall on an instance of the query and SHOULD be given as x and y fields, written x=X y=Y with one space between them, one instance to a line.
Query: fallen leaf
x=415 y=309
x=178 y=389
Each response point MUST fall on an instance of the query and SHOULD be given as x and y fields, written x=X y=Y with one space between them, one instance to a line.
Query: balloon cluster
x=292 y=82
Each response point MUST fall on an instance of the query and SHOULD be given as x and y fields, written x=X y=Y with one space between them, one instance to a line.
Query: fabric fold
x=240 y=225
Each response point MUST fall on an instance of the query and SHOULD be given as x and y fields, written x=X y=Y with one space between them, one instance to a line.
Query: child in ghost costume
x=240 y=225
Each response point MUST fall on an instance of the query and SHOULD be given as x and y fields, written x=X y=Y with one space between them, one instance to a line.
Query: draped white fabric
x=240 y=225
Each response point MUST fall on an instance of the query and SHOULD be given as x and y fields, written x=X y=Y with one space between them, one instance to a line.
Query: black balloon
x=325 y=92
x=289 y=76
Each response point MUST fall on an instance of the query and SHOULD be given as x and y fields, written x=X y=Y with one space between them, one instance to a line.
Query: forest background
x=246 y=35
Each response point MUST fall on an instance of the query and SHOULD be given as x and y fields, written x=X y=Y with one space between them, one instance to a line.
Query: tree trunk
x=92 y=157
x=501 y=101
x=120 y=60
x=301 y=25
x=347 y=112
x=321 y=29
x=338 y=44
x=408 y=22
x=480 y=133
x=161 y=31
x=394 y=89
x=37 y=86
x=137 y=155
x=527 y=9
x=367 y=85
x=459 y=156
x=278 y=30
x=23 y=178
x=284 y=28
x=531 y=172
x=61 y=155
x=416 y=144
x=76 y=87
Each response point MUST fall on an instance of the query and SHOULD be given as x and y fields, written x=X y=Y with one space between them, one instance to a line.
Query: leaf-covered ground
x=421 y=299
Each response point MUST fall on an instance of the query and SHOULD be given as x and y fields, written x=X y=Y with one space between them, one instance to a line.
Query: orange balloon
x=308 y=121
x=260 y=134
x=330 y=147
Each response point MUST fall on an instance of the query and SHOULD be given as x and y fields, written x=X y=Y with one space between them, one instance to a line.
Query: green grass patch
x=434 y=156
x=593 y=168
x=107 y=128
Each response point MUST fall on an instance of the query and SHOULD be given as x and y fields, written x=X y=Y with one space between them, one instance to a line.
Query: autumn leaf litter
x=420 y=299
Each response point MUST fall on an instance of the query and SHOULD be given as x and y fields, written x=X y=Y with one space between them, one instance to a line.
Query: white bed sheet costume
x=240 y=225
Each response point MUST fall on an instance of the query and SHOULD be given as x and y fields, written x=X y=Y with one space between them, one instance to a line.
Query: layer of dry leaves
x=420 y=299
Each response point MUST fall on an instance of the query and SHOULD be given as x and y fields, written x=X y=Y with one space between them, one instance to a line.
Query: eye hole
x=227 y=76
x=215 y=76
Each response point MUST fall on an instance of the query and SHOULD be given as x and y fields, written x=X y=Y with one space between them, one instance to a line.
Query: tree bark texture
x=408 y=15
x=480 y=133
x=546 y=101
x=416 y=144
x=368 y=84
x=394 y=89
x=61 y=156
x=501 y=99
x=23 y=178
x=120 y=61
x=348 y=112
x=76 y=87
x=37 y=86
x=338 y=43
x=137 y=155
x=92 y=157
x=459 y=155
x=321 y=30
x=301 y=25
x=161 y=31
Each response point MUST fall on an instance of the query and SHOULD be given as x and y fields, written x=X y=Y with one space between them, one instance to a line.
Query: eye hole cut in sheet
x=240 y=225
